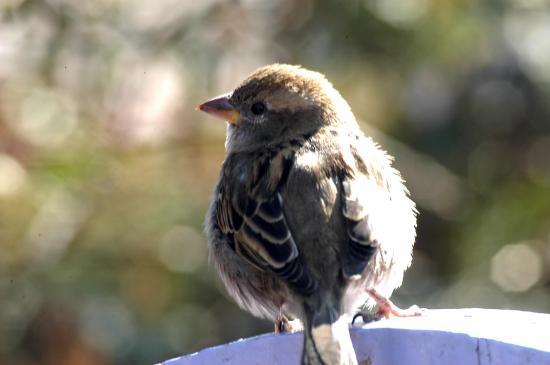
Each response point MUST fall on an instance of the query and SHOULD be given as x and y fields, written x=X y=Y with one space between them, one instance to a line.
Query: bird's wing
x=361 y=243
x=366 y=202
x=251 y=215
x=379 y=214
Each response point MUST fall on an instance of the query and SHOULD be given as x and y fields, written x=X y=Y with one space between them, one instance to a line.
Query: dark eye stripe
x=258 y=108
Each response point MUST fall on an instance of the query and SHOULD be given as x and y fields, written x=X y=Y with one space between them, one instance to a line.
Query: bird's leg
x=387 y=309
x=284 y=325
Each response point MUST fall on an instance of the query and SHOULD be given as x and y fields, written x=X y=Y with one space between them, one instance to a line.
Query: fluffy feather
x=308 y=213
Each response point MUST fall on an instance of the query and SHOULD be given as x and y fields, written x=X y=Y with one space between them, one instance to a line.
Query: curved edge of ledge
x=443 y=336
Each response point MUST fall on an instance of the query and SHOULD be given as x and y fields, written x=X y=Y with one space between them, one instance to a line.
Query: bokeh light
x=14 y=176
x=516 y=267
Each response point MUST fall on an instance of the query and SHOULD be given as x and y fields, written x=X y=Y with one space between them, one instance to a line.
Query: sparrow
x=309 y=220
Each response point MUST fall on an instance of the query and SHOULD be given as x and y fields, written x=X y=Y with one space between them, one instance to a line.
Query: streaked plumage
x=308 y=213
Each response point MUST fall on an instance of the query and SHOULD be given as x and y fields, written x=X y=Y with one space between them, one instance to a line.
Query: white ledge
x=446 y=337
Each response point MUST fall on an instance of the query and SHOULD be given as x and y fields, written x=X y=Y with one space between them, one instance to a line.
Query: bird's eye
x=258 y=108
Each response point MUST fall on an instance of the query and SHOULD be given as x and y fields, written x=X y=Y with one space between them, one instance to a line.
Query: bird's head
x=278 y=103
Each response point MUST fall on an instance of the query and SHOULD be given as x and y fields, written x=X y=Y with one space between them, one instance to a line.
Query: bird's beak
x=220 y=107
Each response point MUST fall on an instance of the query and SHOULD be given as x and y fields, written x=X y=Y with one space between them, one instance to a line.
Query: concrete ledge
x=441 y=337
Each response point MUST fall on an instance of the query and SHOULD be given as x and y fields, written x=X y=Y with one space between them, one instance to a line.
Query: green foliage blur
x=106 y=169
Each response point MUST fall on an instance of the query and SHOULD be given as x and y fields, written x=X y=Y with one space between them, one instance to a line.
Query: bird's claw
x=387 y=309
x=367 y=317
x=284 y=325
x=394 y=311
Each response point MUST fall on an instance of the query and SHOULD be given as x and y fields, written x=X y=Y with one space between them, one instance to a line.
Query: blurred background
x=106 y=169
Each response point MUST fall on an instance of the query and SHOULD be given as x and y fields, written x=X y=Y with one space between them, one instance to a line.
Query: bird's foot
x=387 y=309
x=395 y=311
x=284 y=325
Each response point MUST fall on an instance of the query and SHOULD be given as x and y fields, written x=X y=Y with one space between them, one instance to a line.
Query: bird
x=309 y=220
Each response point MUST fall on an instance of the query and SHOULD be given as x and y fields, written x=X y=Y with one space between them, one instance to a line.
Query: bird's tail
x=326 y=337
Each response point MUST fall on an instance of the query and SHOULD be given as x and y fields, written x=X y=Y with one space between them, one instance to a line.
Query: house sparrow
x=309 y=220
